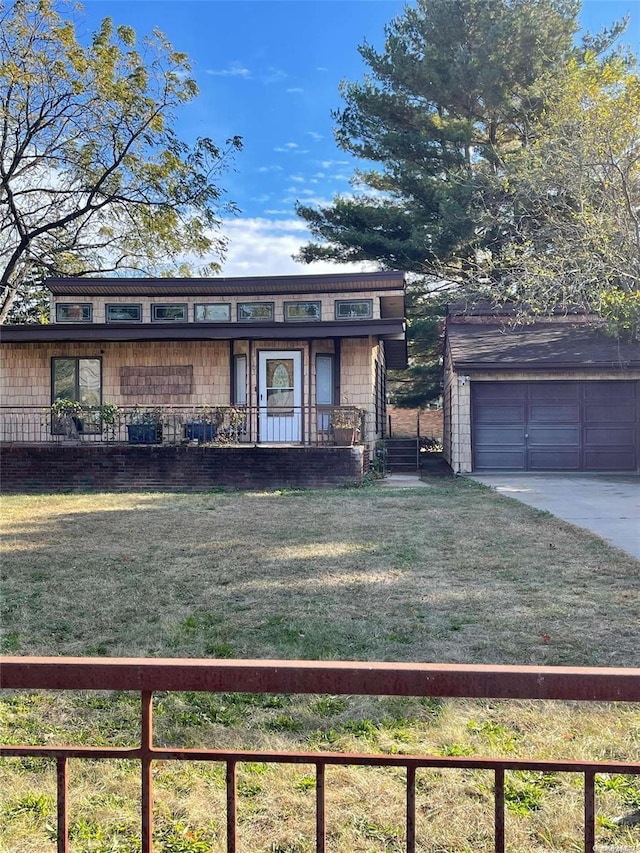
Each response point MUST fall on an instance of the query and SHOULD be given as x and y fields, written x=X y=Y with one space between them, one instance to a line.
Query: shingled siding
x=61 y=468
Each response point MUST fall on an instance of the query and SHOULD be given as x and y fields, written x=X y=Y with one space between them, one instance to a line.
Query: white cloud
x=315 y=136
x=295 y=90
x=329 y=164
x=272 y=168
x=298 y=179
x=235 y=69
x=264 y=247
x=321 y=68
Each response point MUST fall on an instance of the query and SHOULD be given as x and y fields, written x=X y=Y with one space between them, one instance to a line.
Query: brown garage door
x=555 y=426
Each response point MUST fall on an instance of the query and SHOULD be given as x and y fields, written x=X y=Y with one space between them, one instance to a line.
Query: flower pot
x=343 y=436
x=144 y=433
x=198 y=431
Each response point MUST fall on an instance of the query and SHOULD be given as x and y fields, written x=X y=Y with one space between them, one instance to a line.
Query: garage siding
x=556 y=426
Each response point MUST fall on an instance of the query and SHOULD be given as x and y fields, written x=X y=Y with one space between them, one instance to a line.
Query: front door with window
x=280 y=396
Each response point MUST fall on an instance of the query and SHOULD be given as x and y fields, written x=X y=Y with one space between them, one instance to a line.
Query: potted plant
x=66 y=418
x=345 y=425
x=145 y=426
x=204 y=425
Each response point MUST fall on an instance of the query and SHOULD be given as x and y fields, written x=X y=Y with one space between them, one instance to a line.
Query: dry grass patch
x=450 y=573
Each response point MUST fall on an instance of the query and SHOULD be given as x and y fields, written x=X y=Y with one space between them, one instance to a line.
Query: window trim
x=339 y=302
x=110 y=305
x=241 y=305
x=287 y=305
x=197 y=305
x=156 y=305
x=81 y=305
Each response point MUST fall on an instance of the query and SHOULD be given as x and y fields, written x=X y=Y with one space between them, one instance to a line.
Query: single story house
x=556 y=395
x=272 y=361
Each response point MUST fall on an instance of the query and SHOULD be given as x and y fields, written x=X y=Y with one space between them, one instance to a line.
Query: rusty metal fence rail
x=147 y=676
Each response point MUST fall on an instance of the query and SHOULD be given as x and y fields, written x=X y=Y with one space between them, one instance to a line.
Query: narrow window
x=213 y=312
x=74 y=312
x=123 y=313
x=324 y=389
x=354 y=309
x=296 y=311
x=255 y=311
x=239 y=380
x=168 y=313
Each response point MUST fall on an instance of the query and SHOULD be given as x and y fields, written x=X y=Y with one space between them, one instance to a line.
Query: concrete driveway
x=606 y=504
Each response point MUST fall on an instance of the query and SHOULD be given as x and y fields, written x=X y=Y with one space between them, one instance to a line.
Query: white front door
x=280 y=395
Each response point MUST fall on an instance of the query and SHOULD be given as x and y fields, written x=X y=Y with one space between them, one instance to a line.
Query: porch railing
x=300 y=677
x=307 y=425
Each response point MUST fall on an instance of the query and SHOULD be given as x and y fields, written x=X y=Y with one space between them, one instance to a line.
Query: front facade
x=286 y=352
x=556 y=395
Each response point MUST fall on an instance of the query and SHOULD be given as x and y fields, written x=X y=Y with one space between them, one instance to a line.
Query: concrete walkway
x=606 y=504
x=403 y=481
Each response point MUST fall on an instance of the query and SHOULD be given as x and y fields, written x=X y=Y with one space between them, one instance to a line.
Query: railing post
x=499 y=809
x=411 y=809
x=321 y=827
x=232 y=807
x=62 y=781
x=146 y=744
x=589 y=811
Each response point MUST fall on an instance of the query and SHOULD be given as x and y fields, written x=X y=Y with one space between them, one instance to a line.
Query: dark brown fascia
x=108 y=332
x=537 y=366
x=300 y=284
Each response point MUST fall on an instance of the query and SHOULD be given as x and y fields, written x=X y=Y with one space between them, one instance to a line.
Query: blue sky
x=269 y=70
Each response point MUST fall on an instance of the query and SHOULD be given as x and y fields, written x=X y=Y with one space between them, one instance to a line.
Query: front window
x=213 y=312
x=168 y=313
x=74 y=312
x=78 y=379
x=354 y=309
x=123 y=313
x=302 y=310
x=257 y=311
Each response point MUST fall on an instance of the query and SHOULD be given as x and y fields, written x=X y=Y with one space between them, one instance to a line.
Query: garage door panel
x=554 y=413
x=501 y=414
x=554 y=459
x=498 y=457
x=608 y=392
x=549 y=391
x=553 y=436
x=609 y=437
x=500 y=435
x=609 y=459
x=618 y=410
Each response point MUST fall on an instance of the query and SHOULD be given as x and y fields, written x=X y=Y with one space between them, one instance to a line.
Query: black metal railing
x=219 y=425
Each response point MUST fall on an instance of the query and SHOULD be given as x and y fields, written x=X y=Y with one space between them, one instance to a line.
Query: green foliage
x=94 y=178
x=456 y=95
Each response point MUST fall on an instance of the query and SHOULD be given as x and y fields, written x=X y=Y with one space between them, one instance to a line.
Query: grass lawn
x=452 y=573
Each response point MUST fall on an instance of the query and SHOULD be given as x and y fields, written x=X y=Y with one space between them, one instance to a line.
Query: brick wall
x=31 y=468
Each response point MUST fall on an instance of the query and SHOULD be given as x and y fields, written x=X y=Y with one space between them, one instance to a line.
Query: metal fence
x=147 y=676
x=308 y=425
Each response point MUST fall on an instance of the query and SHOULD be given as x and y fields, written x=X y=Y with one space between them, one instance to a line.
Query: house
x=556 y=395
x=269 y=362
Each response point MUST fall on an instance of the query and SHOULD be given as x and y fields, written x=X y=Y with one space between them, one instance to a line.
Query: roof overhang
x=388 y=329
x=257 y=285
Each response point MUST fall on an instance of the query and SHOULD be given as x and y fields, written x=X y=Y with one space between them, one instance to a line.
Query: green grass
x=452 y=573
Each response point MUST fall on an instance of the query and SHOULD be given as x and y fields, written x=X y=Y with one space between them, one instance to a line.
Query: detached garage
x=558 y=395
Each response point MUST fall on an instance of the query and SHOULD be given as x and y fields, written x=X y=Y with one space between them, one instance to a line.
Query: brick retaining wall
x=112 y=468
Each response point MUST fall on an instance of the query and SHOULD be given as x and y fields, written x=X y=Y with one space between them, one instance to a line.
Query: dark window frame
x=226 y=305
x=240 y=305
x=339 y=302
x=183 y=305
x=317 y=302
x=81 y=305
x=110 y=305
x=55 y=427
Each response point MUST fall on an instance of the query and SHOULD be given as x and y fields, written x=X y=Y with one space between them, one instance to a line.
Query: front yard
x=451 y=573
